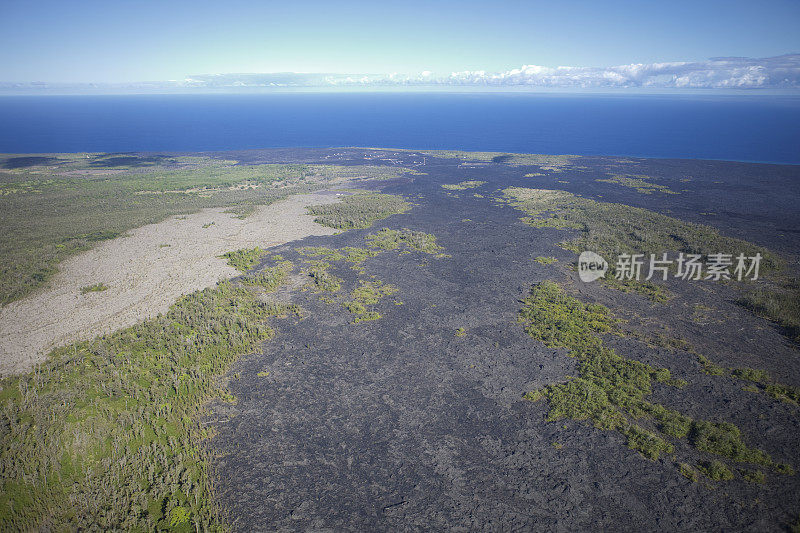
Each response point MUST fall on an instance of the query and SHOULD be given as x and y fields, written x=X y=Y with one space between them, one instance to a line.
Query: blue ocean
x=745 y=128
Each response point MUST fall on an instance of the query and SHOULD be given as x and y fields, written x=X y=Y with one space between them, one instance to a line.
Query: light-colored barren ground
x=144 y=275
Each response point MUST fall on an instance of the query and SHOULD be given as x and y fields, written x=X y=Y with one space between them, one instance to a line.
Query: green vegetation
x=689 y=473
x=752 y=374
x=715 y=470
x=463 y=185
x=753 y=476
x=350 y=254
x=709 y=367
x=105 y=435
x=612 y=229
x=765 y=383
x=359 y=210
x=392 y=239
x=245 y=258
x=367 y=293
x=611 y=390
x=461 y=332
x=779 y=303
x=97 y=287
x=652 y=291
x=370 y=292
x=57 y=206
x=639 y=183
x=761 y=378
x=546 y=260
x=270 y=278
x=323 y=280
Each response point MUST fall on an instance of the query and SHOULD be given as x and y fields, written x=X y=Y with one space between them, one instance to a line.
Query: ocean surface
x=744 y=128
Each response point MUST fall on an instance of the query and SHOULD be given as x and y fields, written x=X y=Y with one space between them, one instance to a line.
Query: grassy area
x=545 y=260
x=245 y=258
x=104 y=435
x=359 y=210
x=323 y=280
x=392 y=239
x=56 y=205
x=365 y=294
x=97 y=287
x=463 y=185
x=715 y=470
x=611 y=229
x=767 y=384
x=320 y=259
x=269 y=278
x=351 y=254
x=610 y=391
x=753 y=476
x=778 y=302
x=640 y=184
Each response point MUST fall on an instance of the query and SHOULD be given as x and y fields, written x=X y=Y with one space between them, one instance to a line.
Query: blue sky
x=126 y=41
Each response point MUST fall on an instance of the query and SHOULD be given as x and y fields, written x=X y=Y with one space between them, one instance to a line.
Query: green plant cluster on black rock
x=611 y=391
x=105 y=434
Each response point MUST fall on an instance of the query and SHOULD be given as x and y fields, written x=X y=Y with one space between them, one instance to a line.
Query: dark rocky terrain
x=400 y=424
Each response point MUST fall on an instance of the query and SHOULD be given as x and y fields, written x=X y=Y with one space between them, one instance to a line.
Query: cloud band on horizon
x=780 y=72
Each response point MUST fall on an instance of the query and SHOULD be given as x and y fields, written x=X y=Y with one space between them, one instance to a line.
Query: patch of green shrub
x=463 y=185
x=641 y=184
x=392 y=239
x=545 y=260
x=646 y=442
x=709 y=367
x=779 y=391
x=689 y=473
x=370 y=292
x=245 y=258
x=359 y=210
x=752 y=374
x=366 y=316
x=357 y=308
x=351 y=254
x=610 y=391
x=779 y=303
x=97 y=287
x=269 y=278
x=367 y=293
x=753 y=476
x=715 y=470
x=322 y=279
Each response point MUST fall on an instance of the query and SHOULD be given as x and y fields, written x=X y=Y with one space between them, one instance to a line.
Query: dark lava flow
x=399 y=424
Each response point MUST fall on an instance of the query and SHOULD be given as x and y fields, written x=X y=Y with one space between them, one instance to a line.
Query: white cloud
x=781 y=72
x=774 y=72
